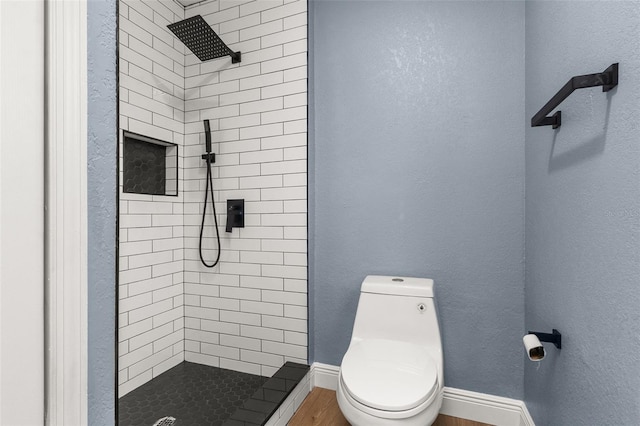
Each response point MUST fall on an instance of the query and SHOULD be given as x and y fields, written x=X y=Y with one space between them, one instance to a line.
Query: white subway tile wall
x=249 y=313
x=151 y=310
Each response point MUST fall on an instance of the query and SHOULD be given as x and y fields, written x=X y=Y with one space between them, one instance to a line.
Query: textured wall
x=418 y=169
x=249 y=313
x=151 y=305
x=583 y=215
x=101 y=191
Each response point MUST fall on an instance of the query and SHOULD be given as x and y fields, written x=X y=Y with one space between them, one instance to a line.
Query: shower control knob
x=422 y=308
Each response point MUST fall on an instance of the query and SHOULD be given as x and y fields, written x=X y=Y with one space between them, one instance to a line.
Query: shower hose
x=204 y=214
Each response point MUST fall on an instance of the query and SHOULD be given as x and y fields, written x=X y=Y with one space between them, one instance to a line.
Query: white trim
x=460 y=403
x=1 y=124
x=485 y=408
x=66 y=212
x=22 y=374
x=324 y=376
x=525 y=417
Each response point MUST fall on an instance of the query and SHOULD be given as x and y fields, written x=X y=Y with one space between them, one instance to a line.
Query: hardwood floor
x=443 y=420
x=320 y=408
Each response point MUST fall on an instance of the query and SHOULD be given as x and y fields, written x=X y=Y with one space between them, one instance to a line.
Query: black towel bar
x=608 y=79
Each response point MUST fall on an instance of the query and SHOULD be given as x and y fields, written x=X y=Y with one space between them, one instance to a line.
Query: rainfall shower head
x=200 y=38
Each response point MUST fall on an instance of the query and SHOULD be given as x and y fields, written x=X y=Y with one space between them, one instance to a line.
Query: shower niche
x=150 y=166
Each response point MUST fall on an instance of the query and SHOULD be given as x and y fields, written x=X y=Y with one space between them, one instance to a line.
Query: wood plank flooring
x=320 y=408
x=443 y=420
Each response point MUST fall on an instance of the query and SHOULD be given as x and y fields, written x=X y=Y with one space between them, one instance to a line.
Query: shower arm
x=235 y=56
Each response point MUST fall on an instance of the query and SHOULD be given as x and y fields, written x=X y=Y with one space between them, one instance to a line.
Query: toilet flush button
x=422 y=308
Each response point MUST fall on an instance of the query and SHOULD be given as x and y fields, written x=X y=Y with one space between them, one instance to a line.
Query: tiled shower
x=249 y=313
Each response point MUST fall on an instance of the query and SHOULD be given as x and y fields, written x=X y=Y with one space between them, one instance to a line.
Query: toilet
x=392 y=373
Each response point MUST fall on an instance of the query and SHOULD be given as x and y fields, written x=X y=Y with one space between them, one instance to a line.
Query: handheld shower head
x=207 y=135
x=210 y=159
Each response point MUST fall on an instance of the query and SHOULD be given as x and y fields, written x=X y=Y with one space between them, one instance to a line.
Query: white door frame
x=43 y=213
x=66 y=212
x=21 y=213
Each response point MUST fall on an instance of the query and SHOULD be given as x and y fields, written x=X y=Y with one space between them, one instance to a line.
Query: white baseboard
x=485 y=408
x=324 y=376
x=480 y=407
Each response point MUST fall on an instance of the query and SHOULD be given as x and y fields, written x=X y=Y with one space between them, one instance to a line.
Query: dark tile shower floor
x=196 y=395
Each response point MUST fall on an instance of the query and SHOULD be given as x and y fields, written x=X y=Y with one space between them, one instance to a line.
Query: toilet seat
x=389 y=375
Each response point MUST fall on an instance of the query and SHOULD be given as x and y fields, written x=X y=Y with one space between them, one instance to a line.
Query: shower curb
x=276 y=400
x=476 y=406
x=291 y=404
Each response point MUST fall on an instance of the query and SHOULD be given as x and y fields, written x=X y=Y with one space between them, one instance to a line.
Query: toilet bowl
x=392 y=373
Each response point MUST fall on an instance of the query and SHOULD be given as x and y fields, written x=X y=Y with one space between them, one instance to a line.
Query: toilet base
x=357 y=417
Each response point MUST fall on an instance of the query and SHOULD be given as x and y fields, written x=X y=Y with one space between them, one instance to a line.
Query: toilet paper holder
x=554 y=337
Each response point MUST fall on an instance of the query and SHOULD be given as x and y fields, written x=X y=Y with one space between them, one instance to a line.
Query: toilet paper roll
x=535 y=350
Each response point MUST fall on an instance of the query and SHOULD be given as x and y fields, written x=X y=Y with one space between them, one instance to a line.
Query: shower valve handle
x=235 y=214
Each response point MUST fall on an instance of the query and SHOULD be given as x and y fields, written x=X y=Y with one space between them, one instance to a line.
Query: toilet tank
x=397 y=308
x=398 y=286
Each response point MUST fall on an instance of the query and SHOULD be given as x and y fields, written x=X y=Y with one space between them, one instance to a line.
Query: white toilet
x=392 y=371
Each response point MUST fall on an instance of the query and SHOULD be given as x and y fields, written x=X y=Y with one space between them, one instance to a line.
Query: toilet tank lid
x=399 y=286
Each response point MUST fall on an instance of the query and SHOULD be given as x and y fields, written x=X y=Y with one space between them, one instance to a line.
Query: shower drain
x=165 y=421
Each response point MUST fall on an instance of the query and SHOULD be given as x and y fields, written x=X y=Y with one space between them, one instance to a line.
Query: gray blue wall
x=583 y=215
x=418 y=160
x=101 y=168
x=416 y=168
